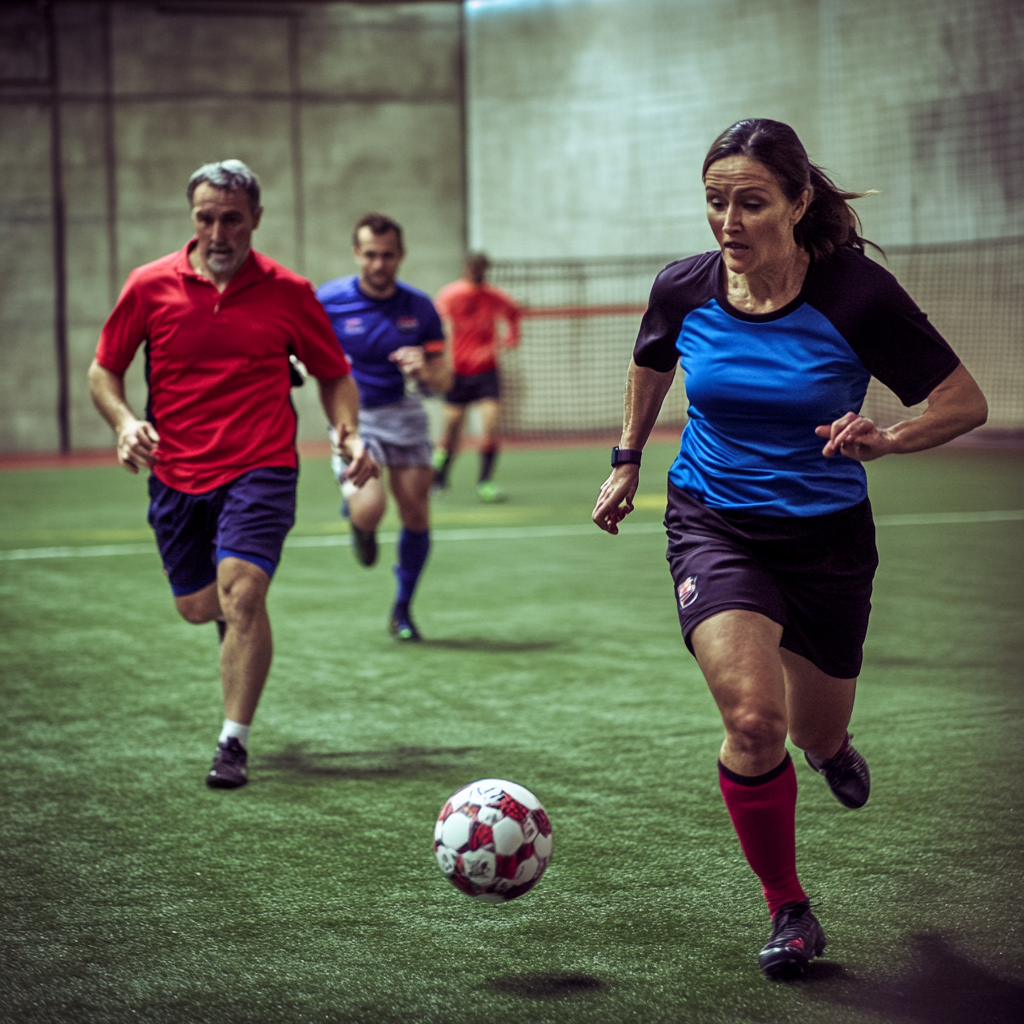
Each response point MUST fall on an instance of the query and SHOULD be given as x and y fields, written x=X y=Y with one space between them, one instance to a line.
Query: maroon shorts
x=812 y=575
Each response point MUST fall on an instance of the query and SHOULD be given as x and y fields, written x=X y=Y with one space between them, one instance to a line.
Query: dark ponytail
x=830 y=222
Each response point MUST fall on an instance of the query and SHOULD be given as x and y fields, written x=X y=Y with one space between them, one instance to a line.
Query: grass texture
x=133 y=893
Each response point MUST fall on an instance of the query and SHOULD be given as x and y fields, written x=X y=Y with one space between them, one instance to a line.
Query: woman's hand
x=856 y=437
x=615 y=500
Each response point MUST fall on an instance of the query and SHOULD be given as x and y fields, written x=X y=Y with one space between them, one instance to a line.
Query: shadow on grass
x=479 y=643
x=545 y=986
x=940 y=987
x=296 y=759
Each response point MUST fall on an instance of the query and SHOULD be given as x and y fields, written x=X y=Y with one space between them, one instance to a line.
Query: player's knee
x=754 y=727
x=242 y=598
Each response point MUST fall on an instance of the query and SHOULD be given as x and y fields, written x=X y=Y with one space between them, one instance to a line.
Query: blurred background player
x=390 y=332
x=219 y=322
x=472 y=310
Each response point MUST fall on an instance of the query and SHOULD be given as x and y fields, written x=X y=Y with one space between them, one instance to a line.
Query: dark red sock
x=763 y=812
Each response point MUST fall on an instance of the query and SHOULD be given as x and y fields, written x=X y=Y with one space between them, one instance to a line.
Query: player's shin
x=763 y=812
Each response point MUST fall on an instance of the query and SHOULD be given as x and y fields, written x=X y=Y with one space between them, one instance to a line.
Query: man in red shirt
x=220 y=322
x=472 y=310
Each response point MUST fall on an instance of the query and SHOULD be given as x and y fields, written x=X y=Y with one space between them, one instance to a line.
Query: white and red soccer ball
x=493 y=840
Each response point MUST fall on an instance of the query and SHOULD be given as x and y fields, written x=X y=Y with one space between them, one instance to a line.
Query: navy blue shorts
x=247 y=518
x=474 y=388
x=811 y=575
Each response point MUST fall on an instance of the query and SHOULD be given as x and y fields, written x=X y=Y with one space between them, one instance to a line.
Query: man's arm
x=434 y=369
x=340 y=399
x=137 y=440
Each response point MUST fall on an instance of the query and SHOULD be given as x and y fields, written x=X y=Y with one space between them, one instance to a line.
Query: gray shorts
x=395 y=435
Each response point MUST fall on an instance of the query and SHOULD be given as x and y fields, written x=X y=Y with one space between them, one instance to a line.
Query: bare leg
x=818 y=706
x=490 y=413
x=411 y=487
x=247 y=650
x=239 y=598
x=444 y=454
x=738 y=652
x=367 y=506
x=454 y=418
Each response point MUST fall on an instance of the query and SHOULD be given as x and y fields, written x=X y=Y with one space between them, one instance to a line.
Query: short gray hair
x=229 y=175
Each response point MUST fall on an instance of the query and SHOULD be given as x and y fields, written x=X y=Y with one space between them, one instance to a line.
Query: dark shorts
x=247 y=518
x=474 y=388
x=811 y=575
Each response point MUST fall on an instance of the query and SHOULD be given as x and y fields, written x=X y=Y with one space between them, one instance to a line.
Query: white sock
x=236 y=729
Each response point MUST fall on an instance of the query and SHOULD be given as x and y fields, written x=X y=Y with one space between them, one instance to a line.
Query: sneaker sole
x=787 y=964
x=216 y=782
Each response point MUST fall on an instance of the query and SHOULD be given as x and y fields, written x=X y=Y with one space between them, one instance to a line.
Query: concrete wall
x=588 y=122
x=589 y=119
x=340 y=108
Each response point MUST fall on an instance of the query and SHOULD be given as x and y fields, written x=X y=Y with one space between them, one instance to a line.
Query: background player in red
x=219 y=322
x=472 y=309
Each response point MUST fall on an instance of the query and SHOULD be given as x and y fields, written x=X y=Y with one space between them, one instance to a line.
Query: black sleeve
x=892 y=337
x=678 y=290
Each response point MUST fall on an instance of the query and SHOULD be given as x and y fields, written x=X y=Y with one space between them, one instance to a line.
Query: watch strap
x=621 y=455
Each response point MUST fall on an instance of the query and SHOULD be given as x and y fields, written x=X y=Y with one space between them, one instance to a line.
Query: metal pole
x=58 y=215
x=110 y=157
x=295 y=110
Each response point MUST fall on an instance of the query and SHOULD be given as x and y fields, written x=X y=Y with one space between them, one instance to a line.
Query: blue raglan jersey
x=369 y=330
x=758 y=384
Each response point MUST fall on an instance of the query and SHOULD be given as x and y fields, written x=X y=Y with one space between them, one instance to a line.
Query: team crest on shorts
x=407 y=323
x=687 y=591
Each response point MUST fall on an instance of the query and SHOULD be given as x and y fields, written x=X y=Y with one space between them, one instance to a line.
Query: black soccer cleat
x=847 y=775
x=796 y=939
x=229 y=766
x=403 y=628
x=364 y=545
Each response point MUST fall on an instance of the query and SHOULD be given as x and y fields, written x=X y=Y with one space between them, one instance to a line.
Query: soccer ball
x=493 y=840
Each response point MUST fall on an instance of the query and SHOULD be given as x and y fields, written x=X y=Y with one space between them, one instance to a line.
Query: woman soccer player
x=770 y=535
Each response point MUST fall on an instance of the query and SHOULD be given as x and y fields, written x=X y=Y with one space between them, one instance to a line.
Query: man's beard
x=223 y=262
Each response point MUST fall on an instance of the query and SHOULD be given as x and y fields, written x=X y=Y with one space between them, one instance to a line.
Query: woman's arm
x=645 y=392
x=954 y=407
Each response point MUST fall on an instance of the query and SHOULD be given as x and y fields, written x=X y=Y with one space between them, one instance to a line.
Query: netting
x=581 y=320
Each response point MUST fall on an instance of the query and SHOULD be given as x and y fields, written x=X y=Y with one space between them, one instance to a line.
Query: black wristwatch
x=620 y=455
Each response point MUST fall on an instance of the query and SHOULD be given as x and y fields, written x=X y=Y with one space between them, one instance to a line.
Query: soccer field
x=131 y=892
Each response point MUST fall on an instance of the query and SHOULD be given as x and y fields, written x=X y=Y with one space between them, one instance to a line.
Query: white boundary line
x=499 y=533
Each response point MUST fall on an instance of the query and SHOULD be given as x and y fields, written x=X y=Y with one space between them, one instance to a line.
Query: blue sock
x=413 y=548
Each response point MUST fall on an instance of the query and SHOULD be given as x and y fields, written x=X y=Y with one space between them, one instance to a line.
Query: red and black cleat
x=796 y=939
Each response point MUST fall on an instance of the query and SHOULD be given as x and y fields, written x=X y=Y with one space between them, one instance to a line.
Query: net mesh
x=581 y=320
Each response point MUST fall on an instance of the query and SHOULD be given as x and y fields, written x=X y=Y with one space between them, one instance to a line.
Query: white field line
x=499 y=533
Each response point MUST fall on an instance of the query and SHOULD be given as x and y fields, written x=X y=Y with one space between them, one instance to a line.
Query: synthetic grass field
x=133 y=893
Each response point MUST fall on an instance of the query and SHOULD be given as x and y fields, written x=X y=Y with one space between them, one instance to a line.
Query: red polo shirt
x=474 y=310
x=217 y=363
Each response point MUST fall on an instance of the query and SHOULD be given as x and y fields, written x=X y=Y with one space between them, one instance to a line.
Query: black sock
x=487 y=457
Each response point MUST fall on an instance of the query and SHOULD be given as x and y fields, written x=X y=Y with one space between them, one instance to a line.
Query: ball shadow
x=489 y=646
x=545 y=986
x=298 y=760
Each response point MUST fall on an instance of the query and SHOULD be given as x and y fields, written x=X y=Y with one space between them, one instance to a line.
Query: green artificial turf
x=133 y=893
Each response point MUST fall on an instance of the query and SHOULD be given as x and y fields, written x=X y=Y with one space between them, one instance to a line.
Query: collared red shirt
x=217 y=363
